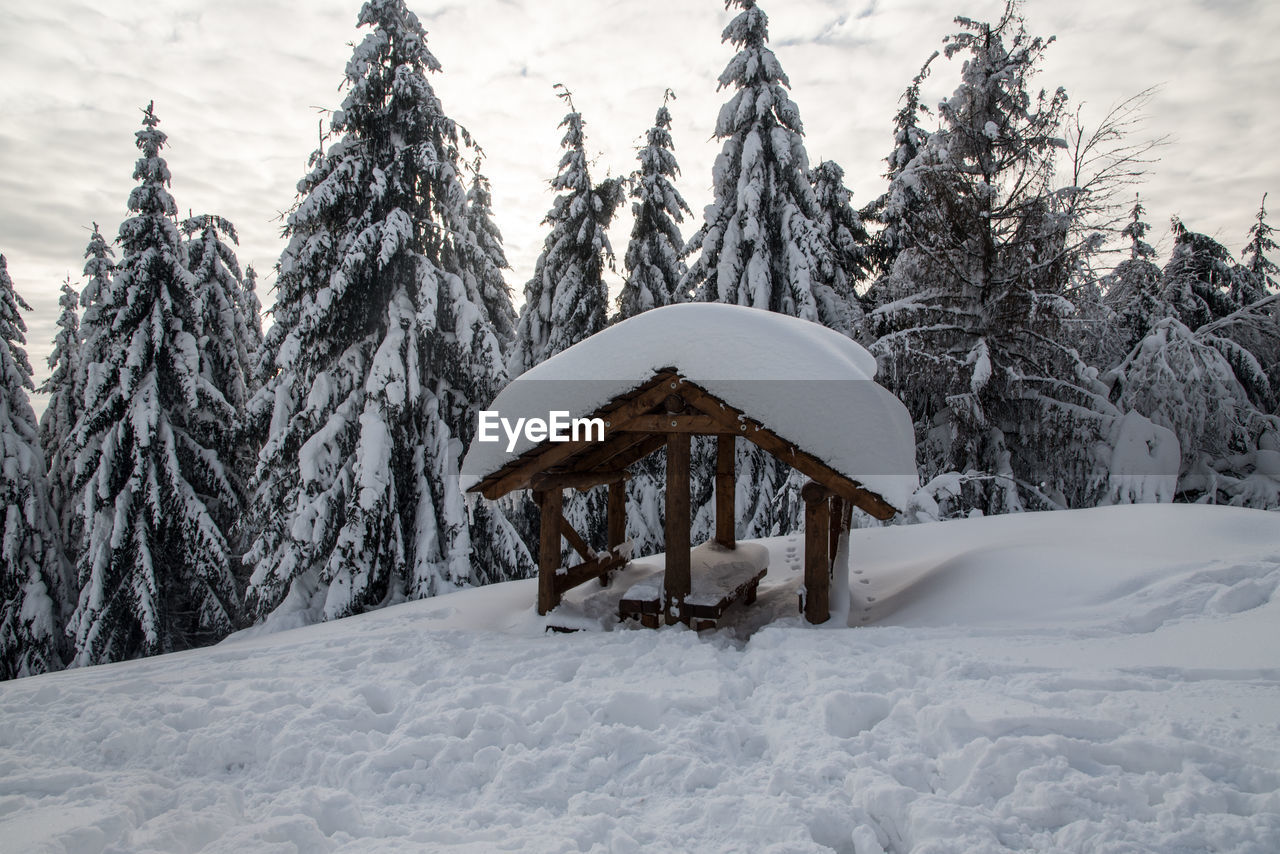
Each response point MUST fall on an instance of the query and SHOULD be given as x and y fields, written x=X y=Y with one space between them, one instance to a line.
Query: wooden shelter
x=666 y=411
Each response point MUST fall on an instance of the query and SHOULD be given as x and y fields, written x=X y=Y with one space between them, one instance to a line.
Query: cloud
x=239 y=84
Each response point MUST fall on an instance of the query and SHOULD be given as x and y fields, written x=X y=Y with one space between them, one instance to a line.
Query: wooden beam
x=837 y=525
x=587 y=570
x=575 y=539
x=726 y=517
x=676 y=581
x=616 y=520
x=638 y=451
x=574 y=479
x=516 y=474
x=602 y=456
x=817 y=567
x=551 y=503
x=702 y=424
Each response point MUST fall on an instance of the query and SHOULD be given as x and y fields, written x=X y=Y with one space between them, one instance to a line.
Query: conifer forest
x=220 y=444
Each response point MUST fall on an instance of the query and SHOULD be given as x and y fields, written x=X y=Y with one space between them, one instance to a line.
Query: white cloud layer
x=239 y=86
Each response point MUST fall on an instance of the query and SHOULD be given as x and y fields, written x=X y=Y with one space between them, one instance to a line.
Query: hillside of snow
x=1089 y=681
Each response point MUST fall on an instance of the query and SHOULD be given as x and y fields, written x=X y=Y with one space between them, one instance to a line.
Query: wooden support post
x=726 y=517
x=617 y=519
x=676 y=582
x=837 y=525
x=817 y=566
x=551 y=503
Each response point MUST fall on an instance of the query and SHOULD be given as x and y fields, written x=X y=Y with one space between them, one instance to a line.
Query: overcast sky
x=241 y=86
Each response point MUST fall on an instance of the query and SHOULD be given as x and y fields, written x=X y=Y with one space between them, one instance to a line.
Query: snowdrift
x=1103 y=680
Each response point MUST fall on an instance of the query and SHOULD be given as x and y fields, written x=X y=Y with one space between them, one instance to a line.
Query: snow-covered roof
x=808 y=384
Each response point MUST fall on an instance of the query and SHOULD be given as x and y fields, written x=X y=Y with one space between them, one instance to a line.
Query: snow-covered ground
x=1093 y=681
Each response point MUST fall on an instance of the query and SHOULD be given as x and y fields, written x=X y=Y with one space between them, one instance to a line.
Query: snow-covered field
x=1093 y=681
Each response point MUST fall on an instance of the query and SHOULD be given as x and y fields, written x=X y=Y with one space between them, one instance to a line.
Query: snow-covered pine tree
x=654 y=273
x=99 y=267
x=974 y=348
x=154 y=575
x=250 y=307
x=486 y=265
x=892 y=212
x=567 y=299
x=65 y=390
x=653 y=264
x=378 y=356
x=33 y=578
x=223 y=333
x=761 y=241
x=1262 y=269
x=1201 y=280
x=1189 y=382
x=843 y=229
x=1132 y=290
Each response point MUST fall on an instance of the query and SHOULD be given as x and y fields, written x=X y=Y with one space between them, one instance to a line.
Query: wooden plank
x=585 y=571
x=576 y=541
x=837 y=525
x=701 y=424
x=516 y=474
x=676 y=583
x=716 y=610
x=574 y=479
x=817 y=532
x=551 y=503
x=726 y=516
x=639 y=451
x=616 y=520
x=602 y=456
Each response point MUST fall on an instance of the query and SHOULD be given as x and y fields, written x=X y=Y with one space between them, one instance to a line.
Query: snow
x=1084 y=681
x=714 y=571
x=809 y=384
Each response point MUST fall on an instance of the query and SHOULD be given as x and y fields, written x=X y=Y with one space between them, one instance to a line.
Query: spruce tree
x=33 y=578
x=974 y=344
x=1201 y=280
x=1132 y=290
x=65 y=389
x=379 y=354
x=250 y=307
x=154 y=575
x=99 y=267
x=849 y=243
x=894 y=208
x=653 y=264
x=1262 y=270
x=489 y=260
x=761 y=242
x=567 y=299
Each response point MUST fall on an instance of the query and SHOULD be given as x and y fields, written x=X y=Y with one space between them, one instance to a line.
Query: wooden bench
x=718 y=578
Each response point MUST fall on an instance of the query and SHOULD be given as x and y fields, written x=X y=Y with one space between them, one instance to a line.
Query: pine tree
x=65 y=389
x=653 y=265
x=1262 y=270
x=1132 y=290
x=251 y=318
x=33 y=578
x=99 y=267
x=486 y=265
x=567 y=300
x=894 y=208
x=973 y=347
x=154 y=575
x=849 y=242
x=1201 y=280
x=761 y=243
x=378 y=357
